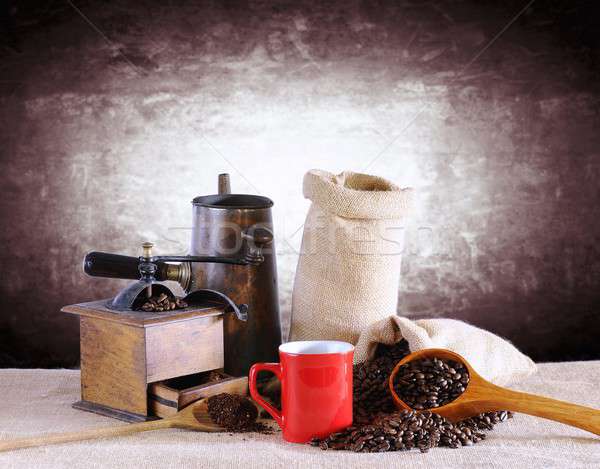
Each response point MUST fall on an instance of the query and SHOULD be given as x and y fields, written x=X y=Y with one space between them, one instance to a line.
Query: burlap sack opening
x=492 y=357
x=349 y=267
x=356 y=195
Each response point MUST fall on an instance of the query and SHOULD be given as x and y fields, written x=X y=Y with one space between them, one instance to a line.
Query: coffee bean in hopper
x=162 y=302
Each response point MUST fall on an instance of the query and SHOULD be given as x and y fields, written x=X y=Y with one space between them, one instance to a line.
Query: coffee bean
x=357 y=447
x=162 y=303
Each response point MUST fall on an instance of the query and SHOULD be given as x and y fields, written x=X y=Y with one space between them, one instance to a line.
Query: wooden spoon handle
x=56 y=438
x=575 y=415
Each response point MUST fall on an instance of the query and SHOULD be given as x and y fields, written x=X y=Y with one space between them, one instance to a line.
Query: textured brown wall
x=106 y=137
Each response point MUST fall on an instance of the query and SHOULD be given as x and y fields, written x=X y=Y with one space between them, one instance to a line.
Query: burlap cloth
x=493 y=357
x=37 y=401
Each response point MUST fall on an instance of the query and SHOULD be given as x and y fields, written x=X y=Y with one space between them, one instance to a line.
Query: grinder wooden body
x=123 y=353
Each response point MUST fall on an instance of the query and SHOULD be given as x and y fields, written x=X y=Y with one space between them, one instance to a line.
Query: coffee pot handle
x=256 y=238
x=274 y=368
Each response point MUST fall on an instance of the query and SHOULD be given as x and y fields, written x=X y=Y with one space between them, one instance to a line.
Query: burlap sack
x=349 y=267
x=491 y=356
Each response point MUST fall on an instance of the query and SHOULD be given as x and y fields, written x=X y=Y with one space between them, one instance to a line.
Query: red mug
x=316 y=388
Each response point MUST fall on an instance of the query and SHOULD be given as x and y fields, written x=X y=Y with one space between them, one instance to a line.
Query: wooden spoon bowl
x=482 y=396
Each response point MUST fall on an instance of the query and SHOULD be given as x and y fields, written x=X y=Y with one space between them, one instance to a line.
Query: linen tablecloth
x=38 y=401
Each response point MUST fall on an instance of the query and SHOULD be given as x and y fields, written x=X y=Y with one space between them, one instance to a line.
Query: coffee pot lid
x=226 y=200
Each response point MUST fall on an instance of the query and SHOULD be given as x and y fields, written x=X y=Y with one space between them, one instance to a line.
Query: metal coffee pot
x=231 y=258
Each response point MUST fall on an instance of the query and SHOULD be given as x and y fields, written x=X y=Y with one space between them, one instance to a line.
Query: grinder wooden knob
x=147 y=249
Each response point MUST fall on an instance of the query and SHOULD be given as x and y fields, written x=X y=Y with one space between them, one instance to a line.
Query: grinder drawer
x=168 y=397
x=184 y=347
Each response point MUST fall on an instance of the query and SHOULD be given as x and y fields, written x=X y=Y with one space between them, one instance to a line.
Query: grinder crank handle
x=105 y=264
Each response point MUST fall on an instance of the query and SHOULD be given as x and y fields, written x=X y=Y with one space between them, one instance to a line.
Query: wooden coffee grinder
x=138 y=364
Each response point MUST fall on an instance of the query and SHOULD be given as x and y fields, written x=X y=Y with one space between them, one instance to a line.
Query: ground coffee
x=235 y=413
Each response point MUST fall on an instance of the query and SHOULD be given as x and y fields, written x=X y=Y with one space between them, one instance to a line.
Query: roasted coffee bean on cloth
x=407 y=429
x=161 y=303
x=235 y=413
x=430 y=382
x=378 y=426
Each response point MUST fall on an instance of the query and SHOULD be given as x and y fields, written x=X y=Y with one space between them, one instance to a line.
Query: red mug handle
x=273 y=368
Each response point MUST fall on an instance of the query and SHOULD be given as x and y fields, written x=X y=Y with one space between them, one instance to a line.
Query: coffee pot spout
x=224 y=184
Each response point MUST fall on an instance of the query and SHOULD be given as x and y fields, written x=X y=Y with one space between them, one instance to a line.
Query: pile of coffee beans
x=407 y=429
x=371 y=394
x=162 y=302
x=235 y=413
x=430 y=382
x=378 y=425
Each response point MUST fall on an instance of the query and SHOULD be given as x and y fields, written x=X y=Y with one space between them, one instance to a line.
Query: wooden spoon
x=193 y=417
x=483 y=396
